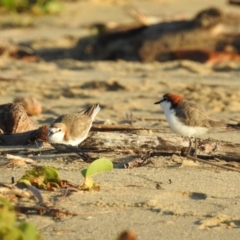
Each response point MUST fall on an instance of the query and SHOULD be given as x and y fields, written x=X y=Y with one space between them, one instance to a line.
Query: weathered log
x=139 y=143
x=154 y=145
x=146 y=144
x=133 y=141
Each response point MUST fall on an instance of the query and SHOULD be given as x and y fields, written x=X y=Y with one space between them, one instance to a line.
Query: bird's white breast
x=177 y=126
x=58 y=138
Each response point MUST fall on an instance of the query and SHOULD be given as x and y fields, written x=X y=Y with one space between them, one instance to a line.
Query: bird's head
x=169 y=101
x=56 y=132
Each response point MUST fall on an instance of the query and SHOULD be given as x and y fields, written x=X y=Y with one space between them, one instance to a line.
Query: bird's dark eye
x=60 y=130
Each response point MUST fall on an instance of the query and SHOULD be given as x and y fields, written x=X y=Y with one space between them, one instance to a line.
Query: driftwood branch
x=24 y=138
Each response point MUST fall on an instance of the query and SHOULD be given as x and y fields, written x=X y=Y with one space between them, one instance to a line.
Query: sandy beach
x=195 y=201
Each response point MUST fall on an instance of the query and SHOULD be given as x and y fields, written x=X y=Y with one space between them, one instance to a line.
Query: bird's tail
x=92 y=111
x=224 y=127
x=217 y=124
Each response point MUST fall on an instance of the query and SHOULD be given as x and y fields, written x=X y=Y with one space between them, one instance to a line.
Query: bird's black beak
x=158 y=101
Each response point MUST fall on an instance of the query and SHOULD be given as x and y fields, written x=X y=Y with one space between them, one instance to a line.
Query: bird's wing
x=192 y=114
x=79 y=123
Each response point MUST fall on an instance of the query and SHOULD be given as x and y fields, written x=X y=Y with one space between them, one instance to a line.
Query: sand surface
x=200 y=202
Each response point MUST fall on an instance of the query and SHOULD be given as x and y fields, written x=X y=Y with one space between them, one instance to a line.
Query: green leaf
x=7 y=216
x=29 y=231
x=52 y=7
x=10 y=229
x=5 y=203
x=11 y=234
x=40 y=176
x=98 y=166
x=51 y=174
x=24 y=181
x=83 y=172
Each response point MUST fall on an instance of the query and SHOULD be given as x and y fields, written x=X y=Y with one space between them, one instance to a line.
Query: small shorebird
x=72 y=129
x=186 y=118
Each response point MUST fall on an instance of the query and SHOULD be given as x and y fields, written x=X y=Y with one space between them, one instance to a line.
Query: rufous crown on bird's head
x=171 y=97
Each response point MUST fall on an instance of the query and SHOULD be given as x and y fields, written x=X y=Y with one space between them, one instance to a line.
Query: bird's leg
x=195 y=153
x=83 y=154
x=190 y=146
x=80 y=152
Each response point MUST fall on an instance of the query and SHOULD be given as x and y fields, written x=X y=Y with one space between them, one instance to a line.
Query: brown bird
x=72 y=129
x=185 y=117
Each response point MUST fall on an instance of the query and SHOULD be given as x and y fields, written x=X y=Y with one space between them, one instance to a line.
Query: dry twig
x=213 y=164
x=54 y=212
